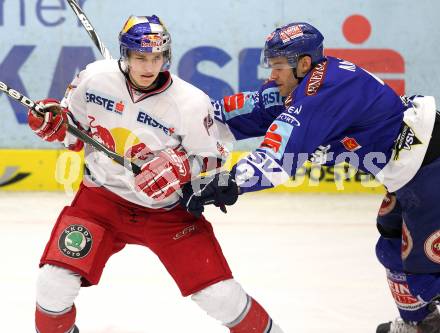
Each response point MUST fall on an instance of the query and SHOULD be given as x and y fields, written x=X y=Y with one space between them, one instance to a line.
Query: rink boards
x=61 y=170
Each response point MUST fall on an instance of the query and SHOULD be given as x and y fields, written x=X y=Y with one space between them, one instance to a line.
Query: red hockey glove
x=164 y=174
x=53 y=125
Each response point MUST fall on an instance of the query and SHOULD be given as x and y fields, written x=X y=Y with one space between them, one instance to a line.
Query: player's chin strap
x=434 y=303
x=296 y=75
x=295 y=72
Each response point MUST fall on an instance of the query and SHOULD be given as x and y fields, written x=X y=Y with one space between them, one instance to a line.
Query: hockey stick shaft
x=19 y=97
x=89 y=28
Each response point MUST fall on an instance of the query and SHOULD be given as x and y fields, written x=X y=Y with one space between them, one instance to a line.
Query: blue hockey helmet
x=145 y=34
x=293 y=41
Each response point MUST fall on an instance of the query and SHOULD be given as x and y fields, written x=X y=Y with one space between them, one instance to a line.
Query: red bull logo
x=151 y=41
x=120 y=140
x=102 y=134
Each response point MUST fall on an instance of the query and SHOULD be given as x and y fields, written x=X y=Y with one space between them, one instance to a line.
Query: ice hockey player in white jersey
x=138 y=109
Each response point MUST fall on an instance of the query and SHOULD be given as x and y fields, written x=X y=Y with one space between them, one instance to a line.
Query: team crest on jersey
x=350 y=144
x=432 y=247
x=75 y=241
x=407 y=242
x=388 y=204
x=316 y=79
x=406 y=139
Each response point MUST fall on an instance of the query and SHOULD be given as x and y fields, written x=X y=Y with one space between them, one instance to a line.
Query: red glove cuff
x=52 y=126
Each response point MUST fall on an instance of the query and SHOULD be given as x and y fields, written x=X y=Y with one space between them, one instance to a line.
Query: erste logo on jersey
x=271 y=97
x=278 y=135
x=144 y=118
x=272 y=140
x=109 y=103
x=316 y=79
x=75 y=241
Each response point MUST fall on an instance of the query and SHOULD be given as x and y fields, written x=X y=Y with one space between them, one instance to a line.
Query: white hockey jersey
x=176 y=114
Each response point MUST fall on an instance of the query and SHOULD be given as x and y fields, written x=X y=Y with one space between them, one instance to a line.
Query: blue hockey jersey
x=339 y=112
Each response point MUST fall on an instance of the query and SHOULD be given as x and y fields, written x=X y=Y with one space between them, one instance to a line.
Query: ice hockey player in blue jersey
x=335 y=111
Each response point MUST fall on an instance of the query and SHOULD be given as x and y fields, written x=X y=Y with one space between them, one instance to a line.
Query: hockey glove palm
x=53 y=125
x=164 y=174
x=219 y=190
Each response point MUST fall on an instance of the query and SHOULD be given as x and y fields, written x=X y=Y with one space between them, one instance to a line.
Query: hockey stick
x=106 y=54
x=89 y=28
x=14 y=94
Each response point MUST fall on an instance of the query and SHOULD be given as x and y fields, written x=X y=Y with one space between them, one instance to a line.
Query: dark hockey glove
x=219 y=190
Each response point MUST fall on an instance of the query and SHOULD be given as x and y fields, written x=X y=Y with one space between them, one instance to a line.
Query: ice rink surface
x=309 y=259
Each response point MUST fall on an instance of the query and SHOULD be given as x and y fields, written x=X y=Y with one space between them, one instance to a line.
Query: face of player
x=283 y=76
x=144 y=67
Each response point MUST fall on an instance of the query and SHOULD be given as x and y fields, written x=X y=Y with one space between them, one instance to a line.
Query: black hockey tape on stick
x=19 y=97
x=89 y=28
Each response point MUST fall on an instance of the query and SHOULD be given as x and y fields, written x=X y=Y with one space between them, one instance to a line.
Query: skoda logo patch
x=75 y=241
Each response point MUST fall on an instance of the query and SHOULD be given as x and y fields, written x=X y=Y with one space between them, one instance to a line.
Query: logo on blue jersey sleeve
x=279 y=133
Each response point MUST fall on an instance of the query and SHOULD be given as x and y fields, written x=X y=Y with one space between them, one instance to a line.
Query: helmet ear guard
x=293 y=41
x=145 y=34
